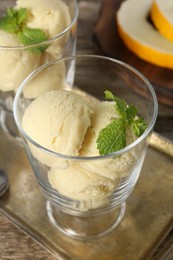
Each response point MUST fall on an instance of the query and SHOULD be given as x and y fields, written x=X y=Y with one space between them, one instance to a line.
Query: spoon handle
x=3 y=182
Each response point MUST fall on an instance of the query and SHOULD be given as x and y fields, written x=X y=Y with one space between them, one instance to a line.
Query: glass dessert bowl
x=84 y=171
x=46 y=30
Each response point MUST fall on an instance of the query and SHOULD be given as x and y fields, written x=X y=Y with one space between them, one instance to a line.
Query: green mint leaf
x=17 y=15
x=120 y=104
x=21 y=16
x=8 y=23
x=10 y=12
x=139 y=126
x=14 y=20
x=8 y=26
x=109 y=95
x=112 y=138
x=131 y=113
x=30 y=36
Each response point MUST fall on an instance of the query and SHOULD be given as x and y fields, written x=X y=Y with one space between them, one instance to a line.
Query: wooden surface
x=14 y=244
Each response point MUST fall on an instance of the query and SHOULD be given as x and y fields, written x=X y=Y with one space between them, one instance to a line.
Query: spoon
x=3 y=183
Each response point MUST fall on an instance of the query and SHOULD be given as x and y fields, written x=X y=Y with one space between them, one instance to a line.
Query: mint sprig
x=33 y=36
x=113 y=137
x=15 y=22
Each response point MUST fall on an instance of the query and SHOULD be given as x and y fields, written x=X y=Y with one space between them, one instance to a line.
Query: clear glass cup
x=18 y=61
x=90 y=198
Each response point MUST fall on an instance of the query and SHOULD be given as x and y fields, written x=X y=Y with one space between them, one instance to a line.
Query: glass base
x=85 y=226
x=8 y=124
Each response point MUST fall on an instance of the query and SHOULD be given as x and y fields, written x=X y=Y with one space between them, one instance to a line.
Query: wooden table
x=14 y=244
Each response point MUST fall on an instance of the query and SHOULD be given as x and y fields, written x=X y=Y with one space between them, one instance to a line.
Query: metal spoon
x=3 y=183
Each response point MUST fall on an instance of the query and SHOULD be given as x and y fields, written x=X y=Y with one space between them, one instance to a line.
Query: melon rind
x=140 y=36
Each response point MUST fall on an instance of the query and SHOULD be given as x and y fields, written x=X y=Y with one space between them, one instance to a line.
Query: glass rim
x=88 y=158
x=53 y=39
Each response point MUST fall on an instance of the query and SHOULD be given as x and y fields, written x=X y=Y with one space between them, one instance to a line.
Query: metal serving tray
x=146 y=232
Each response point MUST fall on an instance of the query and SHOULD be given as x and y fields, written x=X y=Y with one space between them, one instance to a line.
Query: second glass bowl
x=18 y=61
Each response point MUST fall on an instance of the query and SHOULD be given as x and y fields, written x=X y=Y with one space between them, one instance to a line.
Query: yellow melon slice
x=140 y=36
x=162 y=17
